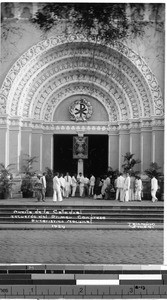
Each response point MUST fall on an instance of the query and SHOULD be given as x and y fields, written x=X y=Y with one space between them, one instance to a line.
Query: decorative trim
x=89 y=126
x=17 y=76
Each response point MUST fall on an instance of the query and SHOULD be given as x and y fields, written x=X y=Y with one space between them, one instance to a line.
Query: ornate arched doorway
x=46 y=80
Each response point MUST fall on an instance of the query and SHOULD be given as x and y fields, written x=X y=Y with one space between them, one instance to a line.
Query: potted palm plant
x=27 y=185
x=6 y=181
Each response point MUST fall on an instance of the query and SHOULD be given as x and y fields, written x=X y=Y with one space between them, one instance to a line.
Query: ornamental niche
x=80 y=110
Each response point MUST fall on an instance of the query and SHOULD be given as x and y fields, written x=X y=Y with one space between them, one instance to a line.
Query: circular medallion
x=80 y=110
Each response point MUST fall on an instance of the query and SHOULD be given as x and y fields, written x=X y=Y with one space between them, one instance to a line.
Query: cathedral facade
x=64 y=85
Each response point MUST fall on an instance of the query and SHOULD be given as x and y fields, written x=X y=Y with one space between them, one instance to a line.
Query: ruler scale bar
x=83 y=281
x=66 y=290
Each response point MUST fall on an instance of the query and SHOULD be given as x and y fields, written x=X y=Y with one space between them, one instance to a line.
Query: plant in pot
x=129 y=163
x=6 y=181
x=27 y=185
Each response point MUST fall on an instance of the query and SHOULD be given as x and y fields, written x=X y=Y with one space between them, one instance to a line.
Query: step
x=97 y=216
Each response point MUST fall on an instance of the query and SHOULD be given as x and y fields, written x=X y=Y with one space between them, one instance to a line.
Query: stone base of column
x=80 y=166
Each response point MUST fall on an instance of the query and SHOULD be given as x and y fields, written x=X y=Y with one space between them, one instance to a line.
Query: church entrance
x=96 y=163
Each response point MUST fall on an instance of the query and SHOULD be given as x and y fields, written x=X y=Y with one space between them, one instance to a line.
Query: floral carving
x=19 y=79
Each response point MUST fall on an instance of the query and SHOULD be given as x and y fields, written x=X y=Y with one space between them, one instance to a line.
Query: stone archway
x=58 y=68
x=54 y=68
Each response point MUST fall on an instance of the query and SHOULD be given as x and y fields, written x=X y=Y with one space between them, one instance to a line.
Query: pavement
x=82 y=246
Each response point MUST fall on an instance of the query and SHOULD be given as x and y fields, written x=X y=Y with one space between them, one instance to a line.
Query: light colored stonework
x=55 y=68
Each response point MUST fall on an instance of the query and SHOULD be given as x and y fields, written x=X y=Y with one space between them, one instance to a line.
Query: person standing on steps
x=43 y=181
x=120 y=187
x=154 y=188
x=86 y=186
x=138 y=188
x=57 y=196
x=132 y=187
x=126 y=187
x=68 y=183
x=62 y=184
x=91 y=185
x=38 y=188
x=74 y=184
x=81 y=181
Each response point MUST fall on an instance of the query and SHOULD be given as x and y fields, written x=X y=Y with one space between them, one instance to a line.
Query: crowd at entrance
x=124 y=188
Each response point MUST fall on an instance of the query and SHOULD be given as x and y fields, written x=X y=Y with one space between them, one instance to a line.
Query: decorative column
x=26 y=140
x=37 y=144
x=113 y=146
x=135 y=142
x=80 y=168
x=15 y=142
x=4 y=140
x=124 y=142
x=146 y=144
x=157 y=154
x=47 y=149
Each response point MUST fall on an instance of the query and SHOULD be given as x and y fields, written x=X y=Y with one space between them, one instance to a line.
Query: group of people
x=126 y=187
x=129 y=188
x=66 y=186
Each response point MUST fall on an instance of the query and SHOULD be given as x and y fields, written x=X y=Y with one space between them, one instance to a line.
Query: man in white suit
x=81 y=182
x=127 y=187
x=154 y=188
x=119 y=187
x=57 y=196
x=68 y=183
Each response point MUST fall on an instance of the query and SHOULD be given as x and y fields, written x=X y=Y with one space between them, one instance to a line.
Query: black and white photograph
x=82 y=89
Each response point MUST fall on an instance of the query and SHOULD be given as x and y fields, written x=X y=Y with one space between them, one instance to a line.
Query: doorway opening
x=97 y=162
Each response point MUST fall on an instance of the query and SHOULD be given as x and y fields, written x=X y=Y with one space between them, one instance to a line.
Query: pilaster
x=15 y=141
x=113 y=145
x=158 y=141
x=4 y=140
x=124 y=141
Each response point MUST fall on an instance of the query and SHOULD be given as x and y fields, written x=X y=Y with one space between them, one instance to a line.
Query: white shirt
x=81 y=179
x=154 y=184
x=139 y=184
x=68 y=180
x=56 y=183
x=43 y=181
x=127 y=183
x=62 y=181
x=86 y=180
x=92 y=180
x=120 y=182
x=74 y=181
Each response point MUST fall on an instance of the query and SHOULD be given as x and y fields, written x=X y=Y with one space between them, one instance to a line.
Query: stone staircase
x=81 y=216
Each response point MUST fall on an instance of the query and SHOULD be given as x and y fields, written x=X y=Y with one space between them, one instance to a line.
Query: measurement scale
x=83 y=281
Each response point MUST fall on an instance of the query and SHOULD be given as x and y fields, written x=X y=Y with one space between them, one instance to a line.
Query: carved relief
x=94 y=78
x=83 y=88
x=23 y=70
x=80 y=110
